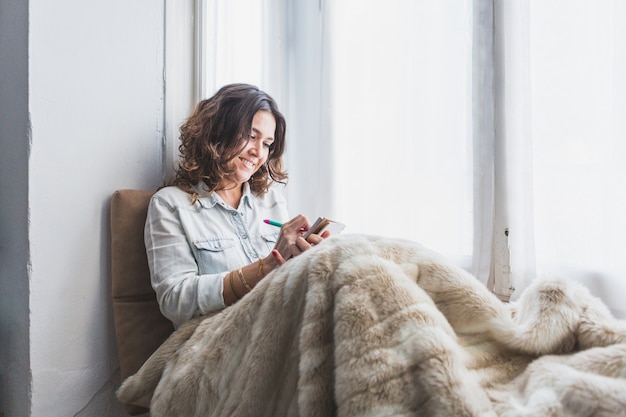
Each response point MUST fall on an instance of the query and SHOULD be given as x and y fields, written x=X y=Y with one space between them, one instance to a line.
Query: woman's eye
x=268 y=145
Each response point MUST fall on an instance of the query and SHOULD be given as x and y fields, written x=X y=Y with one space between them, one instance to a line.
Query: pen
x=273 y=223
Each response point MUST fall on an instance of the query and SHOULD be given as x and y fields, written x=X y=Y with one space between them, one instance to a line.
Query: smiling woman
x=251 y=157
x=206 y=241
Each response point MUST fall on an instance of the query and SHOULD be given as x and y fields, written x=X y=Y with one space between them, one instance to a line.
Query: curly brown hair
x=216 y=132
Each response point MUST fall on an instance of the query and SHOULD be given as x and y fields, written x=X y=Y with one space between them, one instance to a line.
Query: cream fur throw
x=369 y=326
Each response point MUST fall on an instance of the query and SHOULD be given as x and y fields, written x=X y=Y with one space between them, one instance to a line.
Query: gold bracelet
x=232 y=284
x=243 y=280
x=259 y=273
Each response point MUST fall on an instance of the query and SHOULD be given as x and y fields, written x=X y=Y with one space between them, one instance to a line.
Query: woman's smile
x=248 y=164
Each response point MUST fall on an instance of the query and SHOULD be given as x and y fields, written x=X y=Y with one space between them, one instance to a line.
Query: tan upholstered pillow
x=140 y=328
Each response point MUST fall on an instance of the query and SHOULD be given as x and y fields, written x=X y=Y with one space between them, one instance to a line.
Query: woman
x=206 y=239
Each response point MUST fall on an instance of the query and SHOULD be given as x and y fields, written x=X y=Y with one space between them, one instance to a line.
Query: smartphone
x=321 y=224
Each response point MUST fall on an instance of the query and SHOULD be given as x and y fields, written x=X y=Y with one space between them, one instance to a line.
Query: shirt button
x=244 y=236
x=234 y=213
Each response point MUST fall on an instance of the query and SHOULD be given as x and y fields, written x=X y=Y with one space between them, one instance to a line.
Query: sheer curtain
x=492 y=132
x=395 y=124
x=242 y=41
x=563 y=86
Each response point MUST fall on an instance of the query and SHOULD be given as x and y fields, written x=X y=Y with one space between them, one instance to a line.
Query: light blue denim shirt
x=191 y=248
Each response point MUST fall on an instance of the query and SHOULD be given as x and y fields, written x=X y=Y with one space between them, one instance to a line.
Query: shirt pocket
x=269 y=241
x=215 y=255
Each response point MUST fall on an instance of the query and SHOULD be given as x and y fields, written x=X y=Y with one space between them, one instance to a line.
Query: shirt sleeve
x=181 y=291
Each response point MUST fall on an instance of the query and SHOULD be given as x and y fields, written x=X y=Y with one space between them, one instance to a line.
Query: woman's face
x=256 y=150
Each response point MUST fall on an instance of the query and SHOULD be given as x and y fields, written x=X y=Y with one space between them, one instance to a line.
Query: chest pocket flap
x=215 y=245
x=270 y=238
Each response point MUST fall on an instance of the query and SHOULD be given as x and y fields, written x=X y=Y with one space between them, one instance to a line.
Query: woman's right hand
x=290 y=241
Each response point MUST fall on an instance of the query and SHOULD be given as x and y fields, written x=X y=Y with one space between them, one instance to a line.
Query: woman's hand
x=313 y=240
x=290 y=241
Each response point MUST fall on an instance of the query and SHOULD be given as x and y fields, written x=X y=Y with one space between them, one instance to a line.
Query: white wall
x=94 y=96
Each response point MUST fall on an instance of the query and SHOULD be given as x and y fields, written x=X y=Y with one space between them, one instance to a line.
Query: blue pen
x=273 y=223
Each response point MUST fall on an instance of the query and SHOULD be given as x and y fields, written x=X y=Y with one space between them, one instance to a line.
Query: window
x=401 y=120
x=242 y=41
x=491 y=132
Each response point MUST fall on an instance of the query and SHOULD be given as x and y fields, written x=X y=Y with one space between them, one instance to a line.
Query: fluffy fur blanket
x=369 y=326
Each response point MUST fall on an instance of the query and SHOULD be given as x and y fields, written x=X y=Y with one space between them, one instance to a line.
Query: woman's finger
x=302 y=244
x=315 y=239
x=279 y=258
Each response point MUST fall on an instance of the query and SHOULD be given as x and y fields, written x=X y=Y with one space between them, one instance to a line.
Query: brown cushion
x=140 y=328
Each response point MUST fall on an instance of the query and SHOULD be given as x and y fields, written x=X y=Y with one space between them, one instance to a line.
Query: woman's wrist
x=258 y=270
x=241 y=281
x=269 y=263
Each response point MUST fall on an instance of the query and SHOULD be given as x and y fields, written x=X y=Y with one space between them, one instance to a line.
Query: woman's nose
x=257 y=147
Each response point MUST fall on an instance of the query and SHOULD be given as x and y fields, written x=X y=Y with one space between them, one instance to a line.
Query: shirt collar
x=210 y=200
x=247 y=196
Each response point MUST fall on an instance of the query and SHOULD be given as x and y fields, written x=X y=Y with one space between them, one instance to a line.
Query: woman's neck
x=231 y=195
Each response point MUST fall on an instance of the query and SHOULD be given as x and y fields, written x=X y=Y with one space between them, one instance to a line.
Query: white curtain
x=490 y=131
x=562 y=95
x=395 y=123
x=242 y=41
